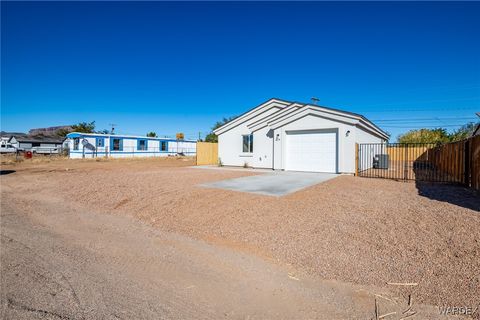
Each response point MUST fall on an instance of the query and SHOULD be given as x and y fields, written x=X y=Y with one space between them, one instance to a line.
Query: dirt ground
x=355 y=230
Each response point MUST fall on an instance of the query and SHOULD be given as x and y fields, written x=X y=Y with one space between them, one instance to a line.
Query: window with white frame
x=247 y=143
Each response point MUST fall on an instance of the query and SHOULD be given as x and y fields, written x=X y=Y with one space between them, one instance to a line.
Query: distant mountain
x=8 y=134
x=49 y=131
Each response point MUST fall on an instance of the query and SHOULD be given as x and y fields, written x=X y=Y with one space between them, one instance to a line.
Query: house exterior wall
x=29 y=145
x=230 y=145
x=23 y=146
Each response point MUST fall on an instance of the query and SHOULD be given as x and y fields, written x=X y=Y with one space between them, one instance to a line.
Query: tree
x=62 y=132
x=463 y=132
x=151 y=134
x=84 y=127
x=438 y=135
x=212 y=137
x=104 y=131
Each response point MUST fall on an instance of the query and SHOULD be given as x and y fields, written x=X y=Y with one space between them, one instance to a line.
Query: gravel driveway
x=356 y=230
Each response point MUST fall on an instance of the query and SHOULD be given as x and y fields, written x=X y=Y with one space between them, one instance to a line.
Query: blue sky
x=179 y=67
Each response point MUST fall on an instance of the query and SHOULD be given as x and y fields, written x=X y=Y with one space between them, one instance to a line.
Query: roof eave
x=238 y=119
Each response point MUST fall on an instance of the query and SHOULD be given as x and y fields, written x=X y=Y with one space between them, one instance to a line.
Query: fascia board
x=315 y=108
x=310 y=111
x=367 y=126
x=265 y=121
x=251 y=114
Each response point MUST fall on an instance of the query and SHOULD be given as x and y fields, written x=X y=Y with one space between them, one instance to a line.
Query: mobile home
x=89 y=145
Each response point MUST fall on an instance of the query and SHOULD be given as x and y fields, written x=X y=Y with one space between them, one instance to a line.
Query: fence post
x=356 y=159
x=405 y=168
x=466 y=160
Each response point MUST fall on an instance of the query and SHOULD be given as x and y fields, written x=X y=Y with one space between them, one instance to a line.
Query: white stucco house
x=284 y=135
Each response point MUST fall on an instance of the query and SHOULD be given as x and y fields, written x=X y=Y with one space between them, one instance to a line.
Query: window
x=247 y=143
x=100 y=142
x=142 y=144
x=163 y=146
x=117 y=144
x=76 y=142
x=35 y=144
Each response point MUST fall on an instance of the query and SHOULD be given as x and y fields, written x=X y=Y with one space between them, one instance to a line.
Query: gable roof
x=294 y=110
x=264 y=122
x=261 y=108
x=332 y=114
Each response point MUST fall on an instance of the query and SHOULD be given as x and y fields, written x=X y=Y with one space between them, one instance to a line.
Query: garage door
x=311 y=151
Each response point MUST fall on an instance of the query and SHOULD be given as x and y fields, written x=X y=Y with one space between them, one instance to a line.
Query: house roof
x=293 y=109
x=36 y=139
x=258 y=110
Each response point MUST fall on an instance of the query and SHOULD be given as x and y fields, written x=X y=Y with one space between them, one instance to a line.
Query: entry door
x=311 y=151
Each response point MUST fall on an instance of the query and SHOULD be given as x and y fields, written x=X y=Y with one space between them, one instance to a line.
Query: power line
x=397 y=104
x=425 y=119
x=420 y=127
x=422 y=110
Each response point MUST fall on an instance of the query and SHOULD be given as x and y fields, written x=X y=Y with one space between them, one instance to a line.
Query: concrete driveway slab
x=273 y=184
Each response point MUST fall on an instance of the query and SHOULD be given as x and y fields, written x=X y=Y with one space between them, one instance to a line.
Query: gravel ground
x=359 y=230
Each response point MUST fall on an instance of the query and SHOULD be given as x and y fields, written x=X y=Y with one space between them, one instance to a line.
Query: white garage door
x=311 y=151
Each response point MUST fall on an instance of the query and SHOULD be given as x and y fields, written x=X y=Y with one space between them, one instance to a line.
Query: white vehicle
x=7 y=148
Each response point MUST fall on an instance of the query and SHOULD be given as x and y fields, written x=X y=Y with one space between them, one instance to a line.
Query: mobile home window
x=76 y=142
x=100 y=142
x=117 y=144
x=247 y=143
x=142 y=144
x=163 y=146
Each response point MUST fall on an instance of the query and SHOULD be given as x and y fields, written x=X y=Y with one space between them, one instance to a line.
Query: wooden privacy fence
x=407 y=152
x=207 y=153
x=459 y=160
x=456 y=162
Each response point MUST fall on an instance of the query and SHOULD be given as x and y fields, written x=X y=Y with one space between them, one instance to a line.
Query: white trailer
x=90 y=145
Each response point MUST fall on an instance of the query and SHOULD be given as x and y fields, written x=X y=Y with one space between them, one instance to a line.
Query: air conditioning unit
x=380 y=161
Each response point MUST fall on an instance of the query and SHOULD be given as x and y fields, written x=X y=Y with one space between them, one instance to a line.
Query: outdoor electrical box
x=380 y=161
